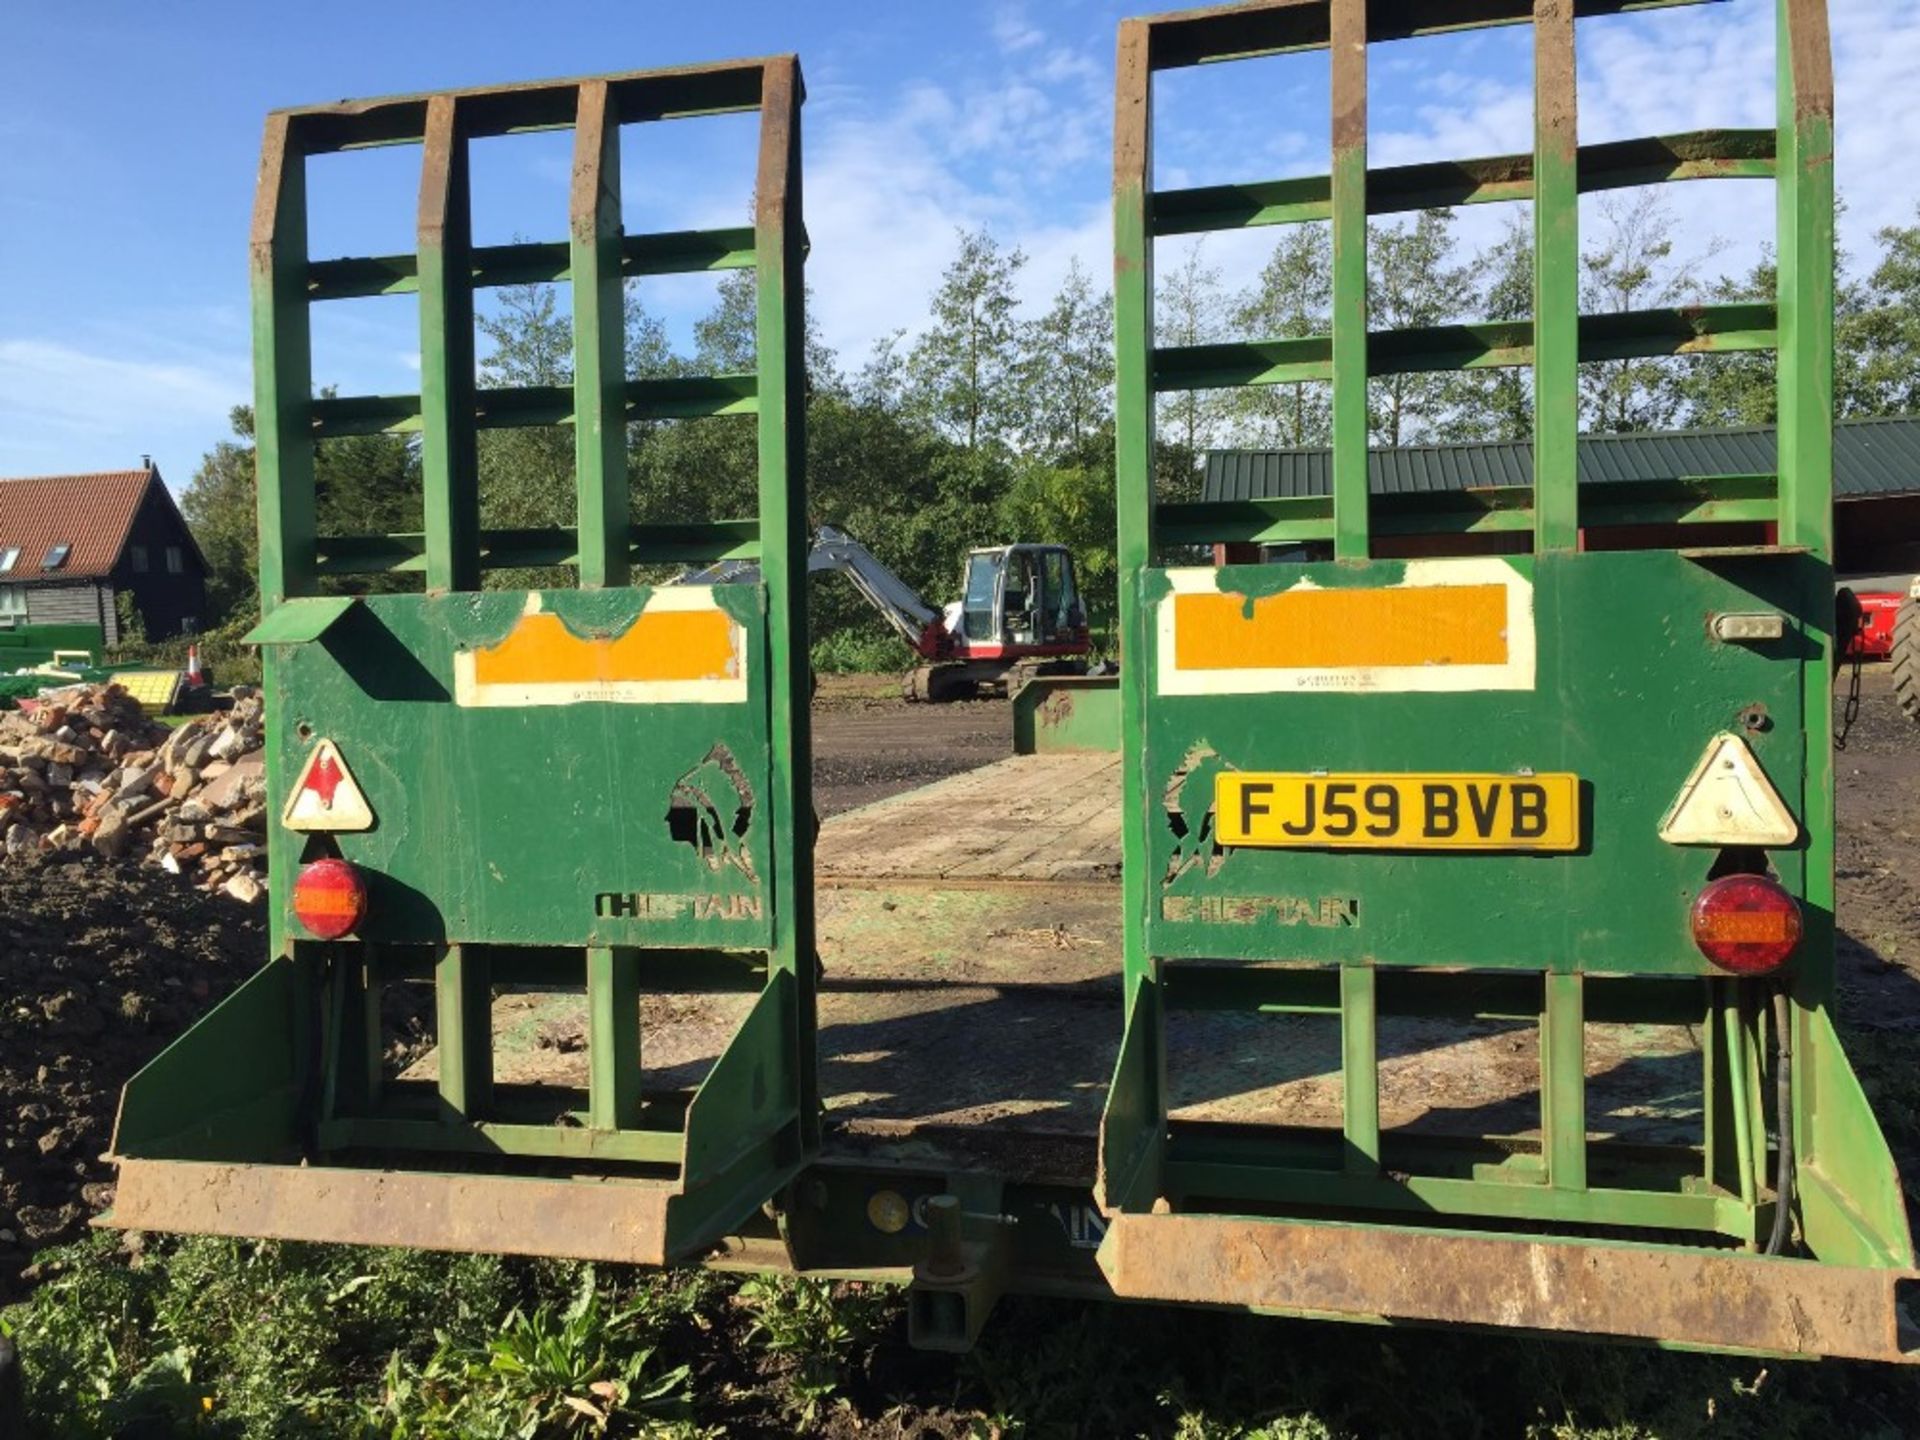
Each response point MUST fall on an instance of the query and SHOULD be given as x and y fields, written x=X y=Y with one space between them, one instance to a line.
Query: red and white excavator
x=1019 y=614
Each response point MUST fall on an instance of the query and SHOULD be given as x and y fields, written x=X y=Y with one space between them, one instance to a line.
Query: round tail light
x=1746 y=924
x=329 y=898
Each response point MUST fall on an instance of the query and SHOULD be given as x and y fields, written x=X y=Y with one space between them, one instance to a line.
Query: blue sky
x=129 y=137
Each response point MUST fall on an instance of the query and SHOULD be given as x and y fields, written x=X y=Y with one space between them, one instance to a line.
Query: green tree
x=1071 y=503
x=871 y=470
x=1497 y=404
x=1413 y=283
x=726 y=338
x=526 y=473
x=1067 y=370
x=367 y=485
x=1876 y=341
x=882 y=378
x=1189 y=310
x=219 y=505
x=1877 y=329
x=1632 y=267
x=963 y=373
x=649 y=353
x=1291 y=299
x=363 y=485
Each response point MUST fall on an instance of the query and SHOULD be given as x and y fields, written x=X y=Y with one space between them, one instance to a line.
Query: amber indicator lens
x=1746 y=924
x=329 y=898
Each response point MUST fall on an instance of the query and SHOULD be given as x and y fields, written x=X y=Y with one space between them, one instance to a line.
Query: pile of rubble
x=85 y=768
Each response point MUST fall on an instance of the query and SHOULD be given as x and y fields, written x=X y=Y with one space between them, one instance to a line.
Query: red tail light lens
x=329 y=898
x=1746 y=924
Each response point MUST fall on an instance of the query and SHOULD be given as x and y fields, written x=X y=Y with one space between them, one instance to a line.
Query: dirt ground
x=868 y=743
x=1877 y=859
x=101 y=966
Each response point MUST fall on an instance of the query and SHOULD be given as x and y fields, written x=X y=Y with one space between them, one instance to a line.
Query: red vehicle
x=1872 y=639
x=1885 y=625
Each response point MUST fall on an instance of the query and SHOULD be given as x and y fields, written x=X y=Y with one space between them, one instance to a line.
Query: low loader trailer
x=1437 y=929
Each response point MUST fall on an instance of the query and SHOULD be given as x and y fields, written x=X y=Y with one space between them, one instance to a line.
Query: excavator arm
x=899 y=604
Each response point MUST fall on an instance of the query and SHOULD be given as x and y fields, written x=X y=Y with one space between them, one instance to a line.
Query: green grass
x=851 y=652
x=251 y=1340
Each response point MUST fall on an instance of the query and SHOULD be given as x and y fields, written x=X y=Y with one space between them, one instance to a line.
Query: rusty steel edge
x=1690 y=1298
x=1674 y=1296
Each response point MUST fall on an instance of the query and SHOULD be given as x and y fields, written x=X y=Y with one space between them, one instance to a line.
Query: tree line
x=993 y=422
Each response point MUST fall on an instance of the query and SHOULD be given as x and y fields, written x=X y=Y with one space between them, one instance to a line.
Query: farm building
x=1876 y=487
x=72 y=545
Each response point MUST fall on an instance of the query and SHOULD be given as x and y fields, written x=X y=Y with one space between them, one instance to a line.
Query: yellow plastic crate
x=154 y=689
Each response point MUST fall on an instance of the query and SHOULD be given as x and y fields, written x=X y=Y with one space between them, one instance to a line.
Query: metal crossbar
x=447 y=269
x=1553 y=177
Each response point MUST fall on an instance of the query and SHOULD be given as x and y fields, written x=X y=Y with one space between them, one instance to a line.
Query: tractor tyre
x=1906 y=659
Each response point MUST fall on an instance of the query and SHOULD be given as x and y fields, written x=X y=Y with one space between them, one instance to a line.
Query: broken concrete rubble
x=85 y=769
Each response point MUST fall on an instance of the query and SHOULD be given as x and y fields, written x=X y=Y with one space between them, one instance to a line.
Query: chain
x=1851 y=710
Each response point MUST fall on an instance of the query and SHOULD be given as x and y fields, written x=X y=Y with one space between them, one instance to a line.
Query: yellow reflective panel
x=1325 y=629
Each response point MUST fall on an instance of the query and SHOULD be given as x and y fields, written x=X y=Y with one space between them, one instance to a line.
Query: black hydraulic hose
x=1783 y=1102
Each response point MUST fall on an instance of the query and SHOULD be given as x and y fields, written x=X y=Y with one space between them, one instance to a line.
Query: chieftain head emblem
x=711 y=808
x=1188 y=798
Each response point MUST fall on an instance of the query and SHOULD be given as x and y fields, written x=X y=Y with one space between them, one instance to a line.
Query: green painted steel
x=1350 y=347
x=603 y=787
x=1556 y=280
x=450 y=465
x=1626 y=700
x=25 y=645
x=599 y=343
x=1598 y=665
x=1055 y=713
x=1696 y=155
x=458 y=791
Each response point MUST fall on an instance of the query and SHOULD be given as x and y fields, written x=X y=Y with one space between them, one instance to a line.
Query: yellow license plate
x=1398 y=812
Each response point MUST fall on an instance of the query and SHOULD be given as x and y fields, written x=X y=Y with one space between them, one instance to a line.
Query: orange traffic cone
x=194 y=676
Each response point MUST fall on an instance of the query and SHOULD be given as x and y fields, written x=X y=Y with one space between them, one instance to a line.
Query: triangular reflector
x=326 y=796
x=1728 y=800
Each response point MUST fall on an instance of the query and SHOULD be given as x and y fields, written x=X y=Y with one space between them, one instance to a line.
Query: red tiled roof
x=92 y=513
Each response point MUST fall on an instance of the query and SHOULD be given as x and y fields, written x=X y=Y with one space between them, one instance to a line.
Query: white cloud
x=65 y=409
x=889 y=180
x=1706 y=68
x=1013 y=32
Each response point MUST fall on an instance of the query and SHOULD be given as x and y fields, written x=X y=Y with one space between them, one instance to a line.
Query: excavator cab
x=1020 y=596
x=1019 y=615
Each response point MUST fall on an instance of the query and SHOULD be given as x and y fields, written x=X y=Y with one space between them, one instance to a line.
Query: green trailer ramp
x=1360 y=787
x=603 y=788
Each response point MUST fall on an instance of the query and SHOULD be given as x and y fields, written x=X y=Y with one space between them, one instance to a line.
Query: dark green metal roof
x=1871 y=457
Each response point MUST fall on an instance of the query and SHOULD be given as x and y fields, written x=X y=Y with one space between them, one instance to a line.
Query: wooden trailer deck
x=970 y=1010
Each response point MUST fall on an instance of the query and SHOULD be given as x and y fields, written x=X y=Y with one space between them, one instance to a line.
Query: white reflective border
x=1517 y=673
